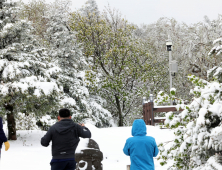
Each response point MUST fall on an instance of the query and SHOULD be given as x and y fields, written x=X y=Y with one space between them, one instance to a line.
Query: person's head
x=139 y=128
x=64 y=114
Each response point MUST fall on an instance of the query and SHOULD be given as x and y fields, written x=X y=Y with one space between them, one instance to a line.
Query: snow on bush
x=26 y=122
x=164 y=99
x=46 y=121
x=30 y=122
x=197 y=129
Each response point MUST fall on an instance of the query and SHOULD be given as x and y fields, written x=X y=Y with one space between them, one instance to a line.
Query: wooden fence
x=149 y=110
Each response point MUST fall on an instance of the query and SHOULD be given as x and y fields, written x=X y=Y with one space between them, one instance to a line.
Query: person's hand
x=81 y=124
x=7 y=145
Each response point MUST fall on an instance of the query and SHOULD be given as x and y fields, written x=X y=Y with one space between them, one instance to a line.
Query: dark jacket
x=2 y=134
x=141 y=148
x=65 y=138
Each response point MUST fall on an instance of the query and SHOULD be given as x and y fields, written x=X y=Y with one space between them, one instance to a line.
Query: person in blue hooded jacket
x=141 y=148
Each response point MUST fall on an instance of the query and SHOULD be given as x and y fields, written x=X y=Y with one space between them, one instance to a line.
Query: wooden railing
x=149 y=110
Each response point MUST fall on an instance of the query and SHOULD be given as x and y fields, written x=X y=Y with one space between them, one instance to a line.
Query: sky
x=149 y=11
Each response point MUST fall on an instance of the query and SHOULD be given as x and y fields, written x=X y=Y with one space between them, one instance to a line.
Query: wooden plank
x=164 y=109
x=159 y=120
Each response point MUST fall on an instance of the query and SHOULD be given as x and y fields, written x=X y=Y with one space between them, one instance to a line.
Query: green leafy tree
x=118 y=62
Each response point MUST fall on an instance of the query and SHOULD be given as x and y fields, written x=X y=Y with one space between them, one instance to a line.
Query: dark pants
x=66 y=165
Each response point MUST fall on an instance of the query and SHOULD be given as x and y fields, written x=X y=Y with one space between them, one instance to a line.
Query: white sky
x=149 y=11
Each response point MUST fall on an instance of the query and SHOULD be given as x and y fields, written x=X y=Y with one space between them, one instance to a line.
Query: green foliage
x=197 y=129
x=119 y=65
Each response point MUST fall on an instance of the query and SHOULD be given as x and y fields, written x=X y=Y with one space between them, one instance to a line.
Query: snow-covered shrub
x=31 y=122
x=164 y=99
x=197 y=129
x=45 y=122
x=25 y=121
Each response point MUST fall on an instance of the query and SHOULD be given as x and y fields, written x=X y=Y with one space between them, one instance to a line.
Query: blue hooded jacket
x=141 y=148
x=2 y=134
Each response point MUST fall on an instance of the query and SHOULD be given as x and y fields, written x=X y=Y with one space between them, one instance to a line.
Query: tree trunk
x=11 y=127
x=119 y=111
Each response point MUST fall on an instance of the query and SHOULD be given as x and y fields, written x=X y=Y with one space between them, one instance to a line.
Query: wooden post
x=128 y=167
x=148 y=113
x=151 y=114
x=144 y=113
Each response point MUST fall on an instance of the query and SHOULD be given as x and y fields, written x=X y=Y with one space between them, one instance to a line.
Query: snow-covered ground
x=27 y=153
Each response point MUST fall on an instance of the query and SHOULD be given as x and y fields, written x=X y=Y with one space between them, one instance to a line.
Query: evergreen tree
x=27 y=74
x=65 y=51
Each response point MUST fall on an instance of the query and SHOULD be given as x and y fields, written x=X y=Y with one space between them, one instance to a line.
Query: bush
x=197 y=129
x=26 y=121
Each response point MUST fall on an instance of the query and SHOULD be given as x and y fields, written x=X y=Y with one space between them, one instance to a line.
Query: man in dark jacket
x=3 y=138
x=141 y=148
x=65 y=138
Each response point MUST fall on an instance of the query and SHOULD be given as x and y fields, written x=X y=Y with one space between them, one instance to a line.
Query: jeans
x=66 y=165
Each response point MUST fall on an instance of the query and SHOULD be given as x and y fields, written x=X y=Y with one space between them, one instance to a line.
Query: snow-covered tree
x=191 y=45
x=65 y=51
x=118 y=60
x=27 y=75
x=37 y=11
x=197 y=129
x=34 y=11
x=90 y=8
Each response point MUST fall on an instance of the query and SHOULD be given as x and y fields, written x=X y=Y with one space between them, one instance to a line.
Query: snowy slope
x=27 y=154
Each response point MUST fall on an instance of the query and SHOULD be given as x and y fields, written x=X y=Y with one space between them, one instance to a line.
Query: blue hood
x=139 y=128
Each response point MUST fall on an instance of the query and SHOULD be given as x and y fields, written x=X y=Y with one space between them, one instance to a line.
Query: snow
x=68 y=100
x=25 y=83
x=85 y=166
x=216 y=108
x=165 y=106
x=7 y=26
x=47 y=120
x=201 y=118
x=160 y=118
x=173 y=89
x=210 y=165
x=27 y=152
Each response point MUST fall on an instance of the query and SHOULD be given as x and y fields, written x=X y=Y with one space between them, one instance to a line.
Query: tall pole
x=170 y=59
x=169 y=48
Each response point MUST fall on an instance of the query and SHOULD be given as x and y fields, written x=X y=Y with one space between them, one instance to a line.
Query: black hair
x=64 y=112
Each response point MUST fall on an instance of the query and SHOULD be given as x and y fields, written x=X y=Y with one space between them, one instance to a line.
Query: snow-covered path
x=27 y=154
